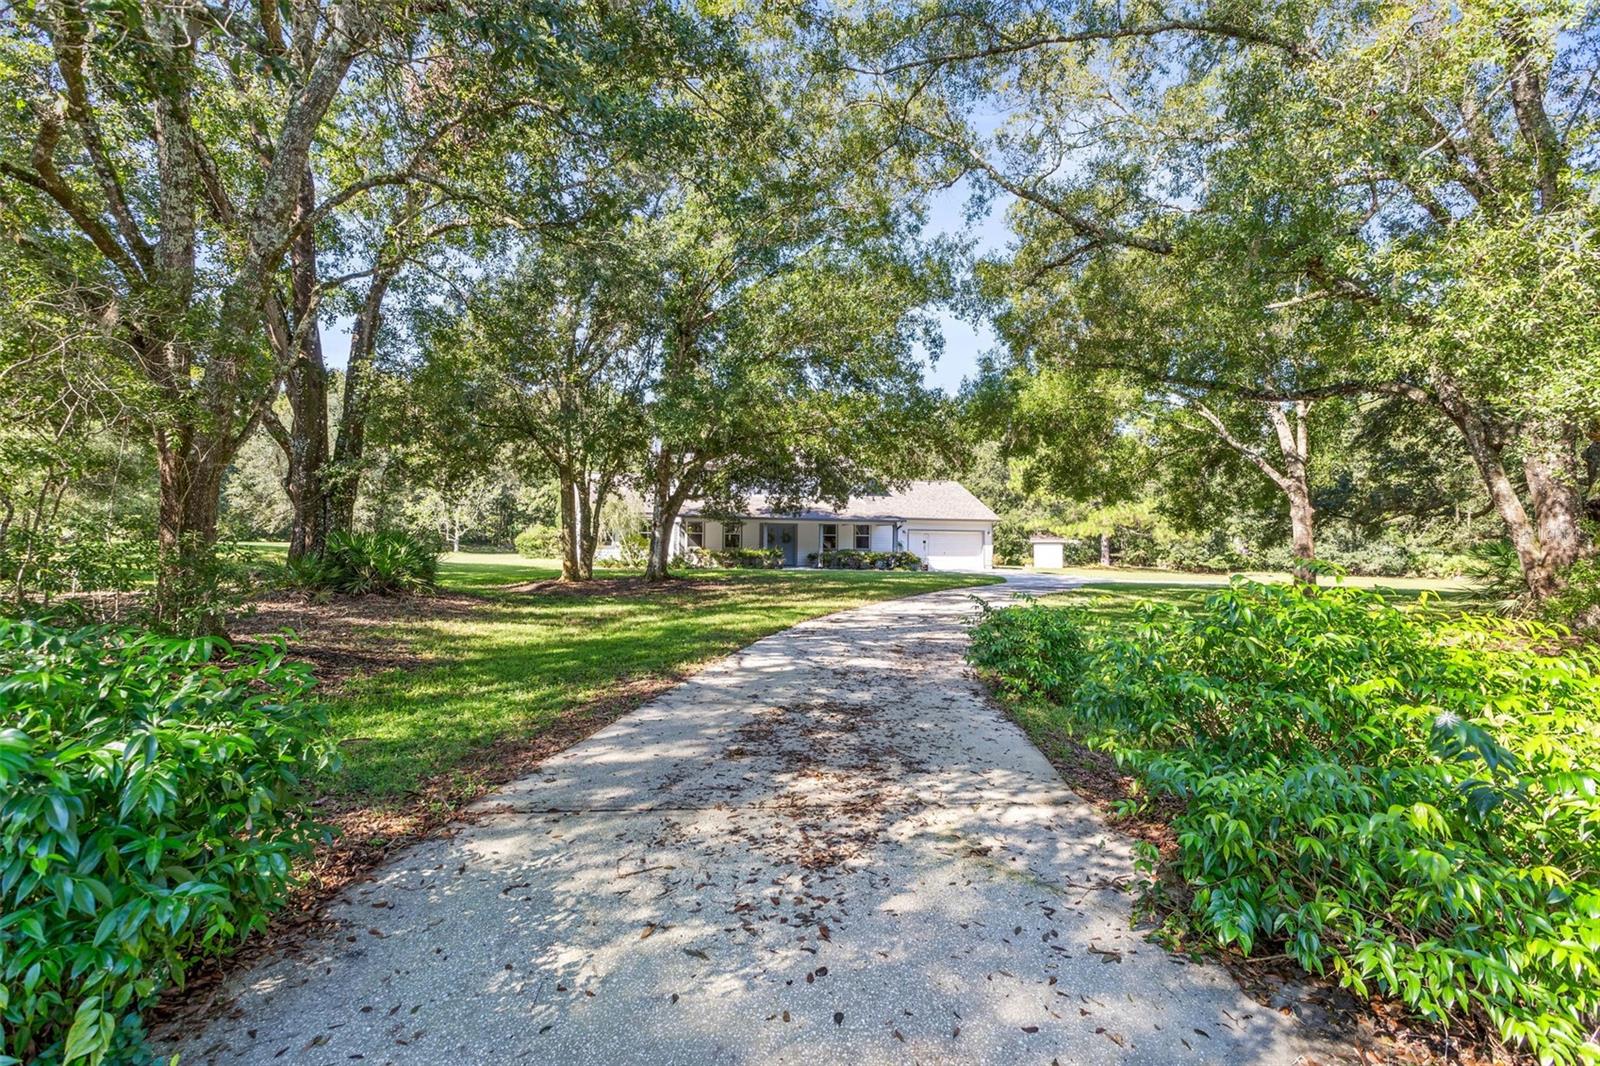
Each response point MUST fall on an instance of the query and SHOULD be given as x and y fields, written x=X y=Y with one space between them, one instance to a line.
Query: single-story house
x=1049 y=553
x=943 y=523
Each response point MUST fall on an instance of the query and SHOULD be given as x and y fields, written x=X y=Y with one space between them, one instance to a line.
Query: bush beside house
x=857 y=559
x=735 y=558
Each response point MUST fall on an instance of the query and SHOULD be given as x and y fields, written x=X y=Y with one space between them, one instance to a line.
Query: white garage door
x=946 y=550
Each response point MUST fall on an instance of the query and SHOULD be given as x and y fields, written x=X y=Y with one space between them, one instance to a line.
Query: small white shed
x=1049 y=553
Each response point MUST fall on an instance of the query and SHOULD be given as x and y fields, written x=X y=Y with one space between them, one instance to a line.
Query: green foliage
x=856 y=559
x=214 y=581
x=751 y=558
x=634 y=547
x=1578 y=604
x=632 y=551
x=360 y=563
x=152 y=803
x=1408 y=805
x=40 y=565
x=539 y=541
x=1493 y=566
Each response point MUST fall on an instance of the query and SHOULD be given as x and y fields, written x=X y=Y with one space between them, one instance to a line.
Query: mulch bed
x=1379 y=1028
x=341 y=638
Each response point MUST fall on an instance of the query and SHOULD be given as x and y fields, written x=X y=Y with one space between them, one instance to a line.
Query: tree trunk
x=307 y=453
x=1105 y=549
x=190 y=477
x=571 y=569
x=1552 y=490
x=306 y=385
x=1294 y=444
x=590 y=530
x=662 y=515
x=1302 y=518
x=1551 y=466
x=349 y=447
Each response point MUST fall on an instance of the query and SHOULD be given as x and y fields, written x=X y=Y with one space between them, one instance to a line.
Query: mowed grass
x=501 y=665
x=1114 y=595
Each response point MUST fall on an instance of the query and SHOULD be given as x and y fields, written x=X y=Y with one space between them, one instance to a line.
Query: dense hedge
x=746 y=558
x=151 y=800
x=1406 y=804
x=539 y=542
x=362 y=563
x=856 y=559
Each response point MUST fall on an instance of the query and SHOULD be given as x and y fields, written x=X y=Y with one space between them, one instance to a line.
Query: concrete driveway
x=828 y=848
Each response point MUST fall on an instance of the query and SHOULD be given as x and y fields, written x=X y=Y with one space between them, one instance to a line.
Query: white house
x=943 y=523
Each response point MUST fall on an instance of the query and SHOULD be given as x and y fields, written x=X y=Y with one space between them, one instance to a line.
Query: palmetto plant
x=361 y=563
x=1493 y=567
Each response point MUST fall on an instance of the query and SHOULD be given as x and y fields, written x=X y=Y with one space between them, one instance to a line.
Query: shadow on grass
x=510 y=669
x=1117 y=601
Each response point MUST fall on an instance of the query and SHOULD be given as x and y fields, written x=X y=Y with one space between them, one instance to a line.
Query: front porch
x=801 y=540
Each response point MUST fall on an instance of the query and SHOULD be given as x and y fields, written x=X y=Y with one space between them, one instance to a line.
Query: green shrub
x=856 y=559
x=1578 y=604
x=745 y=558
x=360 y=563
x=39 y=566
x=107 y=574
x=152 y=803
x=1494 y=567
x=539 y=542
x=1203 y=556
x=635 y=550
x=1408 y=804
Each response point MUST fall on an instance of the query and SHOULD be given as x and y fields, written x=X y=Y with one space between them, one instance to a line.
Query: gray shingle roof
x=919 y=499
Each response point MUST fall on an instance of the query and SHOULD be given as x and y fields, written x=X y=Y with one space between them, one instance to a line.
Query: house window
x=731 y=535
x=830 y=538
x=863 y=538
x=697 y=534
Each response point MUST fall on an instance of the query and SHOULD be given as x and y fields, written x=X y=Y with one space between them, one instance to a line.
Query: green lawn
x=509 y=665
x=1141 y=575
x=1113 y=594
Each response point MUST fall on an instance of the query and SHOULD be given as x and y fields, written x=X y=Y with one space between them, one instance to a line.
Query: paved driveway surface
x=828 y=848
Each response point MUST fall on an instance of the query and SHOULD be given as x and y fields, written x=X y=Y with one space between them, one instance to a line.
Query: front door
x=783 y=537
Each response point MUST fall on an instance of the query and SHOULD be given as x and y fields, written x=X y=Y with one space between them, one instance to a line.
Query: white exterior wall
x=882 y=537
x=1049 y=556
x=916 y=526
x=714 y=529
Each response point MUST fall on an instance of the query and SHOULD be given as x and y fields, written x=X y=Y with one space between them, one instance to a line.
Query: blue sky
x=963 y=341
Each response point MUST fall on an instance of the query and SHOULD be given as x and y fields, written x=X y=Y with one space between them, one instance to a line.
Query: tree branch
x=1243 y=34
x=71 y=61
x=1250 y=453
x=46 y=179
x=1098 y=232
